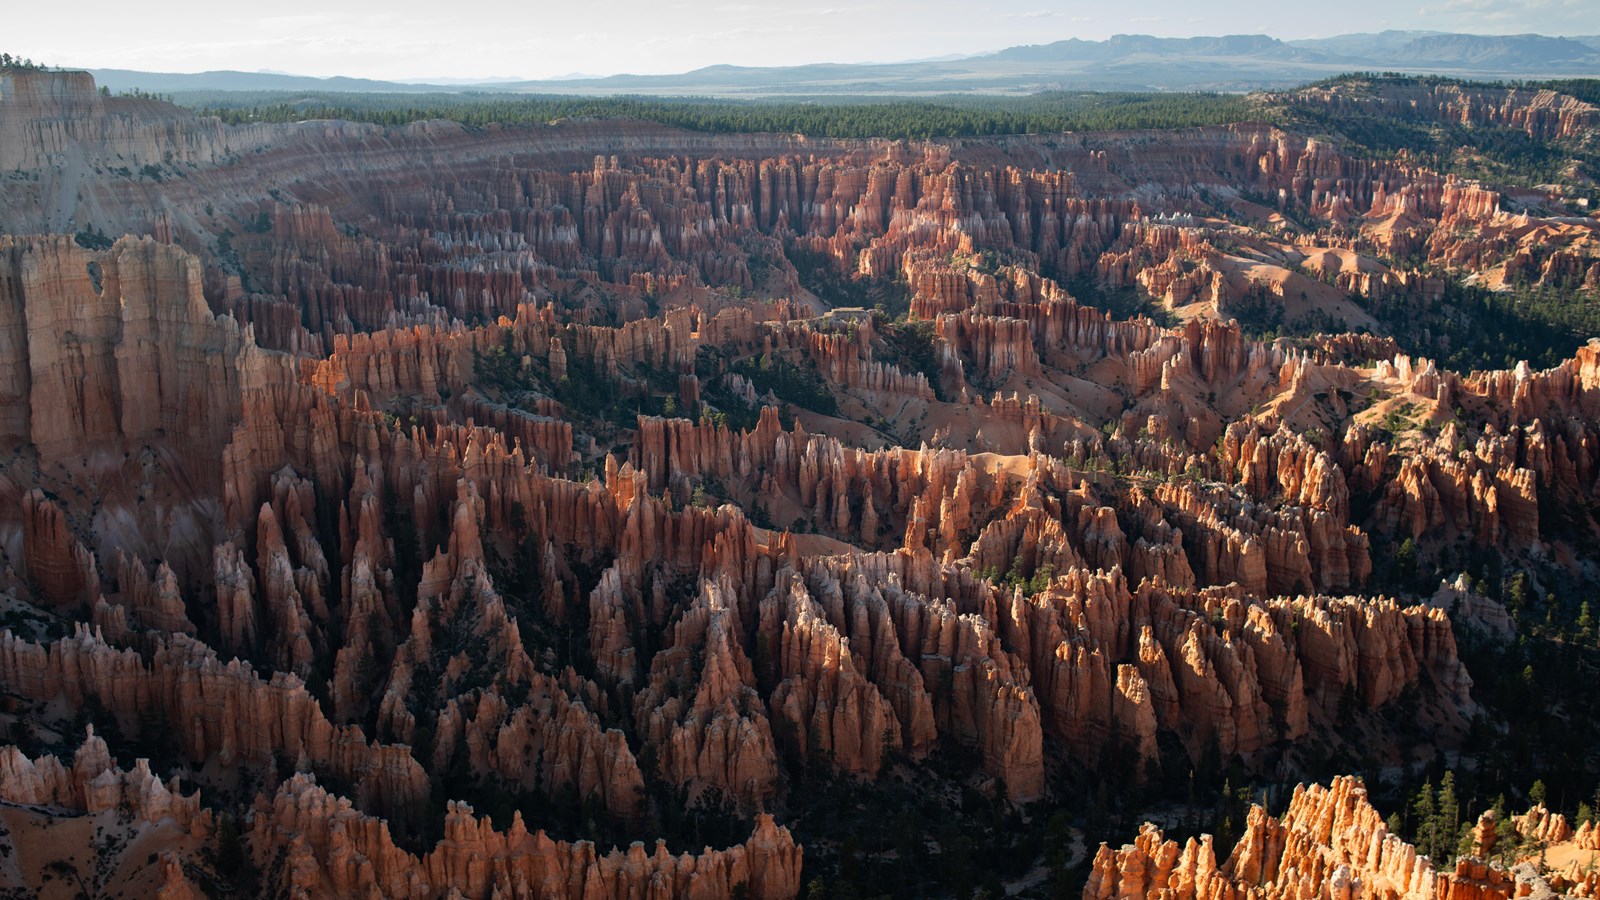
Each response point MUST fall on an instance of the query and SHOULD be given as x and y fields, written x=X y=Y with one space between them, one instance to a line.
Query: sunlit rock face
x=456 y=512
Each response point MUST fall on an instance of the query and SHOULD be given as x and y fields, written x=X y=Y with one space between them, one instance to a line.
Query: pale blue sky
x=408 y=39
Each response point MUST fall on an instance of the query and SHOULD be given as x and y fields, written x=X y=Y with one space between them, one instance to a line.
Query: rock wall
x=335 y=851
x=1330 y=842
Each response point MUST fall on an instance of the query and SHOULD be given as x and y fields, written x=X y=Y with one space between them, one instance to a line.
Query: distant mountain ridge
x=1120 y=46
x=1456 y=49
x=1236 y=62
x=231 y=80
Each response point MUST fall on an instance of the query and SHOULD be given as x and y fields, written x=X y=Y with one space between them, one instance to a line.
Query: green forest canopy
x=847 y=117
x=830 y=116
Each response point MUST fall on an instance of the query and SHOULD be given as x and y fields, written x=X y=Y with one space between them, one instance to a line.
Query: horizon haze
x=416 y=42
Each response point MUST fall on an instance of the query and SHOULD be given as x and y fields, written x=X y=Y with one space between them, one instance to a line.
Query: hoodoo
x=599 y=508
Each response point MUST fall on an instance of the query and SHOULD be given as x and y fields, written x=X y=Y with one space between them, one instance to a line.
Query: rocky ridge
x=508 y=471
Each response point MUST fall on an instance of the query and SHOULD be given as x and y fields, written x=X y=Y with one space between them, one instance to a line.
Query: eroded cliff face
x=93 y=784
x=120 y=383
x=111 y=347
x=52 y=118
x=521 y=473
x=335 y=851
x=1331 y=842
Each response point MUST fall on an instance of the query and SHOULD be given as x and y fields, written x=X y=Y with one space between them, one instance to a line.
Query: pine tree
x=1404 y=570
x=1425 y=819
x=1506 y=838
x=1517 y=592
x=1468 y=844
x=1449 y=816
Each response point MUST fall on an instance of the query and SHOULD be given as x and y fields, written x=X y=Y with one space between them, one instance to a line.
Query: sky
x=432 y=40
